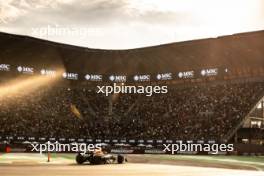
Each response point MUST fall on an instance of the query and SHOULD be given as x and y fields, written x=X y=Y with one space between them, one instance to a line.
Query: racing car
x=102 y=158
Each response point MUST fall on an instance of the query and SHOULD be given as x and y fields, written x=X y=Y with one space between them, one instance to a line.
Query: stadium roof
x=245 y=50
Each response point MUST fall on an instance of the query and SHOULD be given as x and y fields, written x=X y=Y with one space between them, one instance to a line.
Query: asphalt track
x=118 y=169
x=37 y=165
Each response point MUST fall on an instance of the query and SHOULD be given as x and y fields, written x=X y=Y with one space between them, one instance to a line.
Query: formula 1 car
x=99 y=159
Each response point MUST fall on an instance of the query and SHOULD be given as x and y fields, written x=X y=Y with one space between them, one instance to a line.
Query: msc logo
x=141 y=77
x=209 y=72
x=4 y=67
x=47 y=72
x=93 y=77
x=187 y=74
x=27 y=70
x=117 y=78
x=164 y=76
x=67 y=75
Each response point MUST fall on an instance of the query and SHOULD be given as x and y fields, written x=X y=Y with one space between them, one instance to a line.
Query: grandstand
x=216 y=90
x=241 y=52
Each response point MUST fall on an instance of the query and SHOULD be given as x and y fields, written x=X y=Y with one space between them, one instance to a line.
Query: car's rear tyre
x=80 y=159
x=120 y=159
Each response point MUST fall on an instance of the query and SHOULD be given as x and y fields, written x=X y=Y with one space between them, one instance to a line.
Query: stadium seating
x=205 y=111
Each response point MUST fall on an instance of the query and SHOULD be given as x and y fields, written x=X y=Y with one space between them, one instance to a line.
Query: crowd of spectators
x=207 y=111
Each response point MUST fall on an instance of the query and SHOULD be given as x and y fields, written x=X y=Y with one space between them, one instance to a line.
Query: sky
x=125 y=24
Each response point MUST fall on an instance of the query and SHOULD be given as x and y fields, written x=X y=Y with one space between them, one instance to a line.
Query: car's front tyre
x=80 y=159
